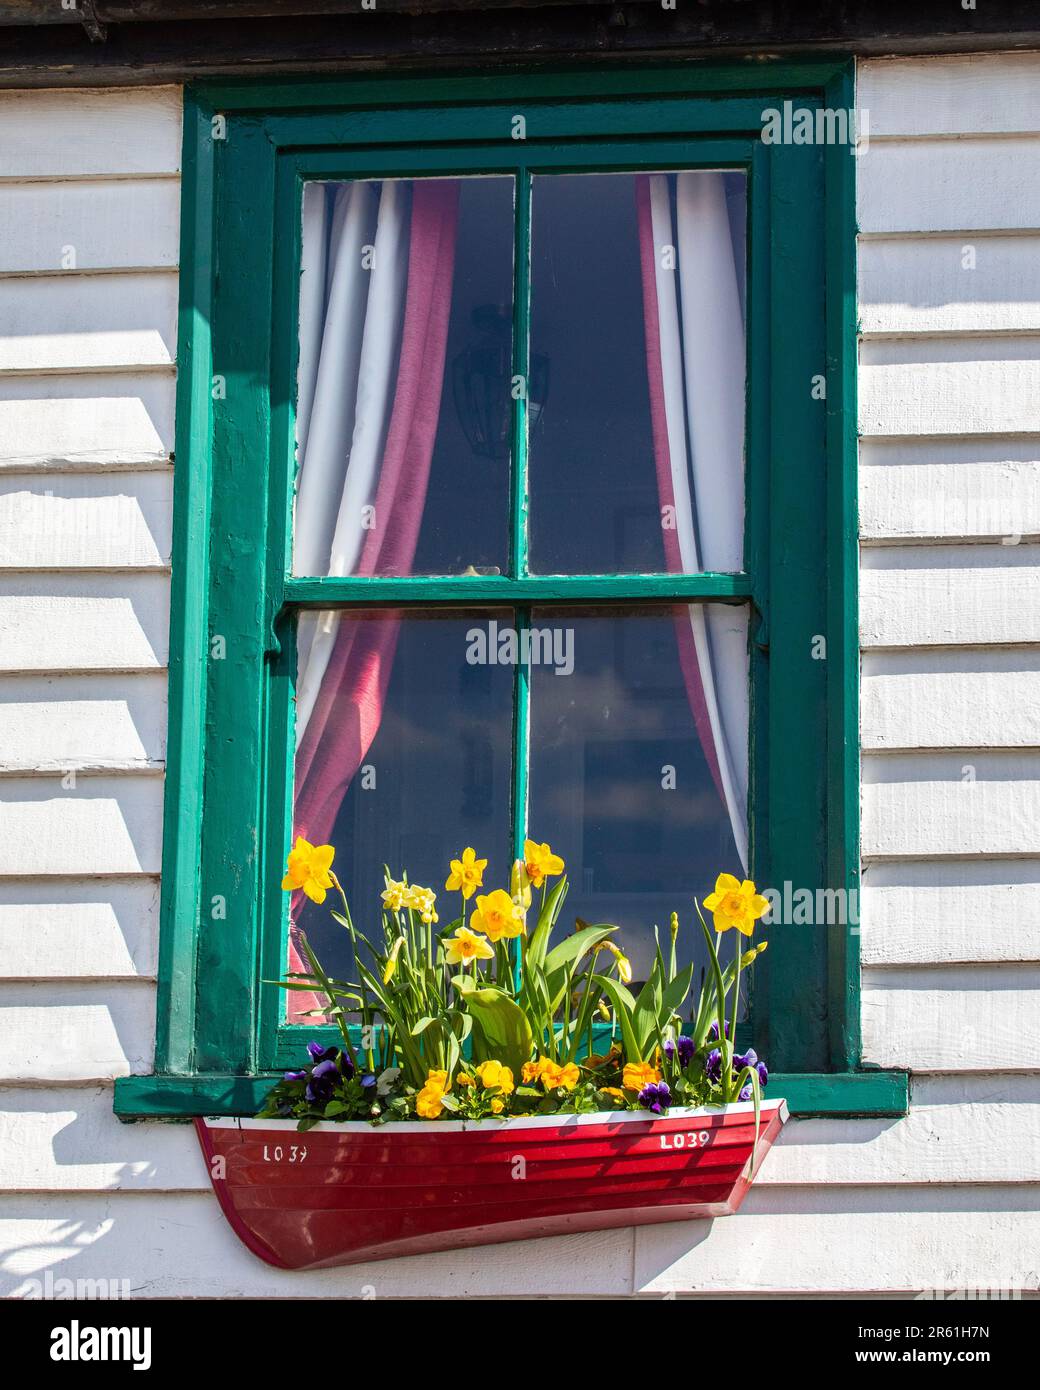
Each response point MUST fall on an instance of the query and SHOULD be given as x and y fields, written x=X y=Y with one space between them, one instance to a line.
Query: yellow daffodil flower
x=735 y=904
x=520 y=884
x=554 y=1076
x=624 y=965
x=465 y=946
x=639 y=1074
x=540 y=862
x=421 y=900
x=308 y=868
x=466 y=874
x=497 y=915
x=495 y=1074
x=391 y=961
x=395 y=896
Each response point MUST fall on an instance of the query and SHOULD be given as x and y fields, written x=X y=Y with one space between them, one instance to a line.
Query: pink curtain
x=349 y=705
x=688 y=660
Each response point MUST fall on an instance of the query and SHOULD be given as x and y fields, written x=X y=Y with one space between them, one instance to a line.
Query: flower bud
x=520 y=884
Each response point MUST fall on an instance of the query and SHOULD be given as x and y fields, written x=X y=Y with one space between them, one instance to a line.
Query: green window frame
x=248 y=150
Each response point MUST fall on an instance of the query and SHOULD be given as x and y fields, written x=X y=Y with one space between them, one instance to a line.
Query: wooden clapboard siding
x=77 y=521
x=87 y=352
x=78 y=929
x=950 y=516
x=114 y=321
x=56 y=722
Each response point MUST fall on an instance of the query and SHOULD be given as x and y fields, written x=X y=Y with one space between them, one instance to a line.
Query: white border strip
x=597 y=1117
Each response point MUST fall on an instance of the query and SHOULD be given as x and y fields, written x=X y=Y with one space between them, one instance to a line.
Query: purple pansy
x=683 y=1048
x=323 y=1079
x=656 y=1096
x=713 y=1031
x=713 y=1065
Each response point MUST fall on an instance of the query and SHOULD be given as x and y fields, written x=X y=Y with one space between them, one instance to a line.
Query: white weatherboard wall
x=950 y=592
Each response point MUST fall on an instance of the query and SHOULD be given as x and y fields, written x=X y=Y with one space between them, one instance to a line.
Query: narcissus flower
x=624 y=965
x=540 y=862
x=497 y=915
x=466 y=874
x=495 y=1074
x=395 y=896
x=465 y=946
x=421 y=900
x=639 y=1074
x=308 y=868
x=735 y=904
x=553 y=1076
x=391 y=961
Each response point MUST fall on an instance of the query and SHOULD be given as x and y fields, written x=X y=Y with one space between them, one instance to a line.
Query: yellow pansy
x=553 y=1076
x=531 y=1071
x=612 y=1091
x=541 y=862
x=735 y=904
x=465 y=946
x=639 y=1074
x=391 y=961
x=497 y=1105
x=438 y=1078
x=308 y=868
x=395 y=896
x=464 y=1079
x=421 y=900
x=495 y=1074
x=466 y=874
x=497 y=915
x=429 y=1103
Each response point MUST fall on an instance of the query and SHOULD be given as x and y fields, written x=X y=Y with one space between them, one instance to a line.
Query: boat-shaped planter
x=342 y=1193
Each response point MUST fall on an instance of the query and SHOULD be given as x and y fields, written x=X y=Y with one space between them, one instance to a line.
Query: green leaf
x=624 y=1007
x=501 y=1029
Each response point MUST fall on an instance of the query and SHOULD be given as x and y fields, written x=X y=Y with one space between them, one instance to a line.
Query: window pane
x=403 y=758
x=404 y=405
x=638 y=773
x=637 y=351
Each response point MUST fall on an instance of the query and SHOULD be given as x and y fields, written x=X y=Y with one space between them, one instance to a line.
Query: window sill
x=837 y=1094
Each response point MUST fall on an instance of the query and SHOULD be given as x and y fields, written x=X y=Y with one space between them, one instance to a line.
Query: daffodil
x=540 y=862
x=624 y=965
x=495 y=1074
x=421 y=900
x=497 y=915
x=308 y=868
x=639 y=1074
x=465 y=946
x=735 y=904
x=520 y=884
x=467 y=874
x=395 y=896
x=391 y=961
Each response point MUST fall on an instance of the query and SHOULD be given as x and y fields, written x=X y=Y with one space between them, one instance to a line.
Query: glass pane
x=638 y=772
x=404 y=403
x=637 y=351
x=403 y=758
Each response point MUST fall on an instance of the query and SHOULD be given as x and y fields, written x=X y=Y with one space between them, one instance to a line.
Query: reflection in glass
x=637 y=302
x=404 y=760
x=399 y=278
x=638 y=772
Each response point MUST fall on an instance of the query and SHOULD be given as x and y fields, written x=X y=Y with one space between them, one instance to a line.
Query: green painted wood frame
x=248 y=148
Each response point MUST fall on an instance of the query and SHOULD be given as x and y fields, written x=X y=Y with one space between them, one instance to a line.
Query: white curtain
x=702 y=353
x=352 y=296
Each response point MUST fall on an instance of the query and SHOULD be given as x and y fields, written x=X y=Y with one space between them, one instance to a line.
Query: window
x=507 y=498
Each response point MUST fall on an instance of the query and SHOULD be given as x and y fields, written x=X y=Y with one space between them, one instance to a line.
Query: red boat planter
x=343 y=1193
